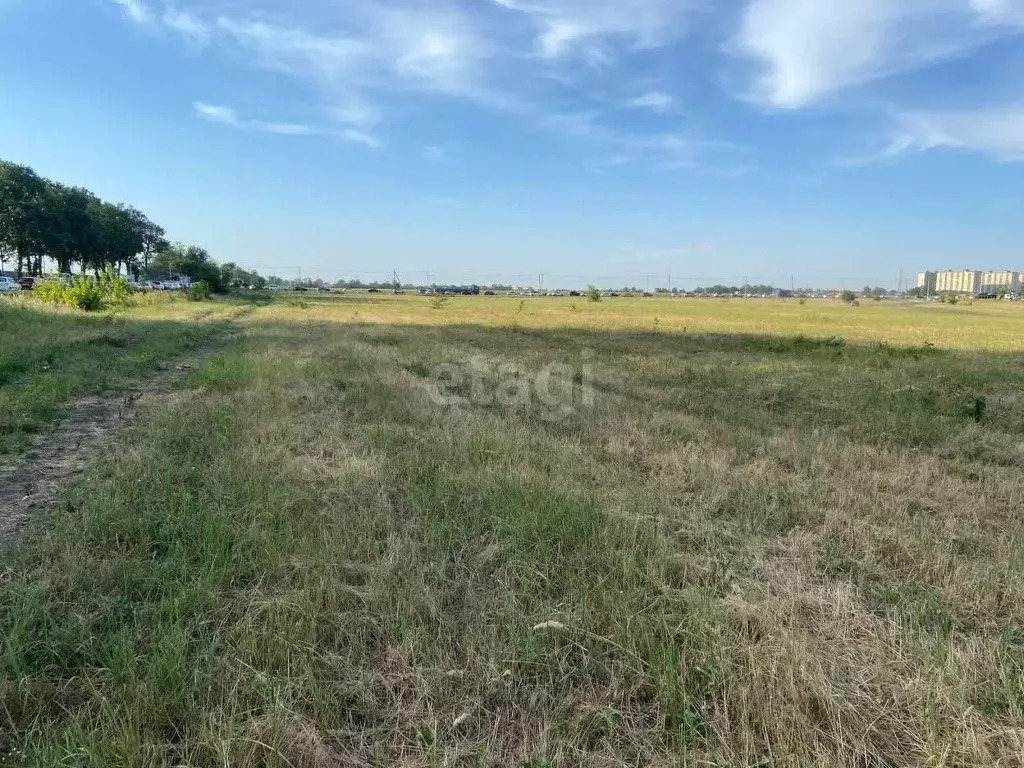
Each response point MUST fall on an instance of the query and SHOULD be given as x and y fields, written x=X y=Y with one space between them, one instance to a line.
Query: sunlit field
x=981 y=325
x=390 y=530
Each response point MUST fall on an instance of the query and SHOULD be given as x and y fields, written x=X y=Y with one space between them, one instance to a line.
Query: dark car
x=28 y=283
x=575 y=293
x=488 y=293
x=374 y=290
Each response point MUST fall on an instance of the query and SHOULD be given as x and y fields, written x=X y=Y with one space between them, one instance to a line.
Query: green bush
x=50 y=292
x=593 y=293
x=200 y=291
x=86 y=293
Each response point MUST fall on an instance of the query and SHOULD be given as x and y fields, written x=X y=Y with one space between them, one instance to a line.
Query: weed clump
x=85 y=293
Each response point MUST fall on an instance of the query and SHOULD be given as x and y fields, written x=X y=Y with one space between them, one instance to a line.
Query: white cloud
x=361 y=137
x=356 y=111
x=372 y=60
x=137 y=10
x=1000 y=11
x=998 y=132
x=187 y=25
x=218 y=113
x=591 y=27
x=809 y=49
x=379 y=47
x=653 y=100
x=434 y=154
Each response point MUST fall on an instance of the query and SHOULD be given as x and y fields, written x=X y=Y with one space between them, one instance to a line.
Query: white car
x=273 y=287
x=156 y=285
x=9 y=285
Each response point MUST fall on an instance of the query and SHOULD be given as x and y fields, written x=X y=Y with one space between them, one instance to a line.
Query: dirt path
x=31 y=481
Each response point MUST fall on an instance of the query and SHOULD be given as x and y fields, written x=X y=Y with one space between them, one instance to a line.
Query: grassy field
x=47 y=358
x=538 y=532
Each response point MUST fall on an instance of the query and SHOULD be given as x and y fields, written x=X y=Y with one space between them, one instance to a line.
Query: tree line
x=43 y=219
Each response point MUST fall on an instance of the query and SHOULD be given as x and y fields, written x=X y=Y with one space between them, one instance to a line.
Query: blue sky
x=591 y=140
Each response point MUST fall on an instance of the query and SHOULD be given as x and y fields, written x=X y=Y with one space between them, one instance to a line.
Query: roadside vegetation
x=757 y=546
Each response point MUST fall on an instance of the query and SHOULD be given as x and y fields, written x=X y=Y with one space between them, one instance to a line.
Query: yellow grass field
x=377 y=530
x=996 y=326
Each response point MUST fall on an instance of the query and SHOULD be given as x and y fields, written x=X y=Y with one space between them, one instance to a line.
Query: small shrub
x=50 y=292
x=593 y=293
x=438 y=302
x=801 y=302
x=849 y=297
x=113 y=288
x=84 y=294
x=201 y=291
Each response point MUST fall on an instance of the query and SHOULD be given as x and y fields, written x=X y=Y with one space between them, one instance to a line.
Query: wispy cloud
x=434 y=154
x=656 y=101
x=595 y=29
x=185 y=24
x=807 y=50
x=374 y=60
x=361 y=137
x=217 y=113
x=136 y=9
x=997 y=132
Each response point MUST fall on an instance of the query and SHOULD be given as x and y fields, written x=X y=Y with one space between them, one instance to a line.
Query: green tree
x=593 y=293
x=25 y=216
x=76 y=239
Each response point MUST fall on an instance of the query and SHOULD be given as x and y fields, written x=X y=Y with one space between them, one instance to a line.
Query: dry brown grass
x=749 y=551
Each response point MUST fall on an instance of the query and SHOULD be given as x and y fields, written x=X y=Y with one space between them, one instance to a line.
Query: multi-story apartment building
x=958 y=281
x=1000 y=281
x=926 y=282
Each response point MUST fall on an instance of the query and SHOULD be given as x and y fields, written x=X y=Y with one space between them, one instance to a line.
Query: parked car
x=135 y=285
x=156 y=285
x=374 y=290
x=9 y=285
x=488 y=293
x=273 y=287
x=28 y=283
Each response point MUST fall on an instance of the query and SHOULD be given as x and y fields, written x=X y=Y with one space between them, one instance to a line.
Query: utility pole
x=670 y=281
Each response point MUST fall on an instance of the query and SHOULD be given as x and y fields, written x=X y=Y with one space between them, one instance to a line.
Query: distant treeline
x=42 y=219
x=730 y=289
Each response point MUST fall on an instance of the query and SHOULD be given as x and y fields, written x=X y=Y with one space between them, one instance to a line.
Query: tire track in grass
x=87 y=425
